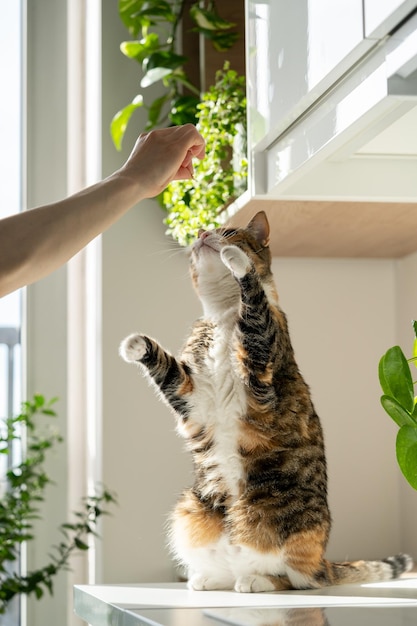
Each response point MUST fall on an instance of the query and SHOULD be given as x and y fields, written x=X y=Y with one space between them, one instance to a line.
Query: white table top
x=172 y=604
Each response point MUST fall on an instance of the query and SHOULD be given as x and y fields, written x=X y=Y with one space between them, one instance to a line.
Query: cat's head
x=213 y=281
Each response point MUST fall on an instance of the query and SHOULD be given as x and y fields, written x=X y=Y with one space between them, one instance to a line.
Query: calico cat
x=256 y=518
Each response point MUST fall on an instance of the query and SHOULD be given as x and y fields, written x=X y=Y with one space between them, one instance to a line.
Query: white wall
x=145 y=289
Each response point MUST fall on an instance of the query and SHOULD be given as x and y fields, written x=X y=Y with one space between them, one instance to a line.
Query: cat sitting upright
x=256 y=518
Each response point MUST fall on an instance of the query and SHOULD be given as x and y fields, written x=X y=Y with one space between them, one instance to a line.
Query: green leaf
x=121 y=119
x=406 y=448
x=397 y=412
x=184 y=110
x=158 y=8
x=209 y=20
x=130 y=14
x=163 y=59
x=221 y=41
x=139 y=50
x=414 y=358
x=39 y=400
x=155 y=74
x=80 y=544
x=395 y=377
x=38 y=592
x=415 y=343
x=154 y=111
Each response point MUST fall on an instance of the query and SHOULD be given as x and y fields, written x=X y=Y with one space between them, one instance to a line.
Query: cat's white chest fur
x=220 y=402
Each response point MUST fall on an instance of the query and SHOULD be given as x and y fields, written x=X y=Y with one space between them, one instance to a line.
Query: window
x=61 y=325
x=11 y=75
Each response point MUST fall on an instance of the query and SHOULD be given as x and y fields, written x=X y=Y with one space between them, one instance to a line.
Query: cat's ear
x=259 y=227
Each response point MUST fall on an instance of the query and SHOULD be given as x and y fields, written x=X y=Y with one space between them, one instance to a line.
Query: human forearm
x=36 y=242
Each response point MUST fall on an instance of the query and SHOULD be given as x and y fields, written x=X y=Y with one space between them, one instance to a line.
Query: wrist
x=128 y=188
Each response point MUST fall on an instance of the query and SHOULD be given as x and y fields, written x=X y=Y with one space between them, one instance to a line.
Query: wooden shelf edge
x=329 y=229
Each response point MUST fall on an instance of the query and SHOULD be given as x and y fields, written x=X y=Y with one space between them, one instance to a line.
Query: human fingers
x=184 y=143
x=163 y=155
x=188 y=143
x=196 y=149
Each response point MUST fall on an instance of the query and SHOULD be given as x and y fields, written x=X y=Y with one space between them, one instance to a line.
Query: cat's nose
x=202 y=234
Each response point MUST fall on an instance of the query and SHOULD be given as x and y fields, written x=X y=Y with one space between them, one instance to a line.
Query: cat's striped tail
x=369 y=571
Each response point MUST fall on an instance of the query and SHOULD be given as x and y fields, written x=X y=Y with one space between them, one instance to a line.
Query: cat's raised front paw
x=133 y=348
x=236 y=260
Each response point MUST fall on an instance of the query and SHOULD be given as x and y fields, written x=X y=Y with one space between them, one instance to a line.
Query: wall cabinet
x=297 y=50
x=382 y=16
x=332 y=116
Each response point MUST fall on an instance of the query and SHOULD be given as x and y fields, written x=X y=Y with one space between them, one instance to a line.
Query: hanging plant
x=154 y=24
x=221 y=176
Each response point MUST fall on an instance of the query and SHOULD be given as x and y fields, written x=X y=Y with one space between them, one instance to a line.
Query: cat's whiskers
x=169 y=253
x=174 y=252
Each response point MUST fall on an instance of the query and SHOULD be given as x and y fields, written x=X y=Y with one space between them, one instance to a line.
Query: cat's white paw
x=133 y=348
x=200 y=582
x=254 y=583
x=236 y=260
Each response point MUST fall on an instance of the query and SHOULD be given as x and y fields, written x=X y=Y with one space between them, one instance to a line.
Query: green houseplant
x=20 y=500
x=400 y=403
x=221 y=176
x=219 y=112
x=155 y=28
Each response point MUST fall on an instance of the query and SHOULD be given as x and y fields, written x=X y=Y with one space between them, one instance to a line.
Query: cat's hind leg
x=298 y=564
x=257 y=572
x=198 y=541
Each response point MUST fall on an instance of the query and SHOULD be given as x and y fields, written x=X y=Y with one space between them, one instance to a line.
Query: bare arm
x=38 y=241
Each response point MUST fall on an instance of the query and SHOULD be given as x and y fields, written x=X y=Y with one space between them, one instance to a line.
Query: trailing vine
x=221 y=176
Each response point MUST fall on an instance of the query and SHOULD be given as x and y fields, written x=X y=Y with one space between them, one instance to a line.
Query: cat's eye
x=228 y=232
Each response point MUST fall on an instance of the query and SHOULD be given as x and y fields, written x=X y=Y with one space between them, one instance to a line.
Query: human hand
x=163 y=155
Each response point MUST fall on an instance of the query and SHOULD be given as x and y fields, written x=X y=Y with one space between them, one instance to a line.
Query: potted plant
x=20 y=499
x=400 y=403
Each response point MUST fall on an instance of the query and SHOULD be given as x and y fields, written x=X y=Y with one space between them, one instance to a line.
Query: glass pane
x=11 y=75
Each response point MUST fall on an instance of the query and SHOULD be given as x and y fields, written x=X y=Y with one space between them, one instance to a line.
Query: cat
x=256 y=518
